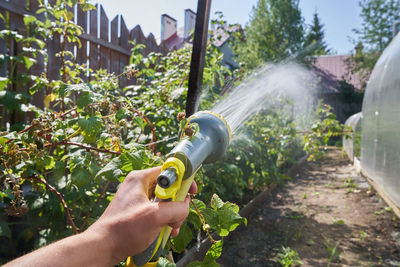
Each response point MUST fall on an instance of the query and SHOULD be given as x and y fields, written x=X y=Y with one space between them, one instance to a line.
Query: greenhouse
x=380 y=147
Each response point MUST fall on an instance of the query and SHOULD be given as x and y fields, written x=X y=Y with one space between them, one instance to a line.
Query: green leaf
x=3 y=141
x=29 y=19
x=4 y=229
x=132 y=160
x=9 y=100
x=213 y=253
x=163 y=262
x=41 y=10
x=80 y=177
x=91 y=127
x=49 y=163
x=229 y=220
x=199 y=204
x=183 y=239
x=216 y=202
x=94 y=169
x=211 y=217
x=40 y=43
x=195 y=264
x=224 y=219
x=111 y=171
x=120 y=115
x=84 y=100
x=193 y=217
x=120 y=166
x=3 y=83
x=59 y=169
x=28 y=62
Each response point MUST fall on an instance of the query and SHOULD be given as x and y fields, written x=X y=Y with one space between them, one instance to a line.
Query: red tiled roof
x=174 y=42
x=332 y=69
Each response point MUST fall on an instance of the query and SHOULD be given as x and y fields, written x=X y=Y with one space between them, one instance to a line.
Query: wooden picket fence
x=105 y=44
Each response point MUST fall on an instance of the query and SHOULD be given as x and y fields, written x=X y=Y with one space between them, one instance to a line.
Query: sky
x=338 y=16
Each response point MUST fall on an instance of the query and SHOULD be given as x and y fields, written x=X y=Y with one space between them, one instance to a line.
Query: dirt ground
x=328 y=214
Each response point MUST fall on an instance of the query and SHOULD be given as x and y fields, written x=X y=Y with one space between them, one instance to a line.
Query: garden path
x=327 y=214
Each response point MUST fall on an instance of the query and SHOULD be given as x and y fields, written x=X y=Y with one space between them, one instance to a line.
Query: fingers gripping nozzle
x=207 y=145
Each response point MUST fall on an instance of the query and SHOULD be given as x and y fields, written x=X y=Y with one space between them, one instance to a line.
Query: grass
x=349 y=183
x=332 y=248
x=316 y=193
x=288 y=257
x=383 y=210
x=341 y=222
x=294 y=216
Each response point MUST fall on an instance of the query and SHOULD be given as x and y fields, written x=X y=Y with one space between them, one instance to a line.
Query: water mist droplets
x=261 y=89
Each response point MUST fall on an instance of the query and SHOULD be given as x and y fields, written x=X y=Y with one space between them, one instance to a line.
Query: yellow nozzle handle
x=177 y=193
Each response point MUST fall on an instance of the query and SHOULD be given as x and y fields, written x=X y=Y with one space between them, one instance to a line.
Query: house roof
x=331 y=70
x=175 y=41
x=221 y=35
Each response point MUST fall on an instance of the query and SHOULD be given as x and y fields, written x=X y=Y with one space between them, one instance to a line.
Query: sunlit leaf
x=183 y=239
x=3 y=83
x=48 y=99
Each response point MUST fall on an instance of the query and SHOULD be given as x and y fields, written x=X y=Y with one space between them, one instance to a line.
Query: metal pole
x=198 y=54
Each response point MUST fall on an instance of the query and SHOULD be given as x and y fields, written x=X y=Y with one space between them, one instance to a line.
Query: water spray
x=210 y=139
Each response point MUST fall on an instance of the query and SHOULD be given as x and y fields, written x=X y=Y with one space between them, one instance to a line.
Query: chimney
x=168 y=27
x=190 y=21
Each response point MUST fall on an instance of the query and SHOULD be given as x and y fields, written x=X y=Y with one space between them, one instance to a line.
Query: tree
x=375 y=34
x=315 y=38
x=377 y=27
x=275 y=31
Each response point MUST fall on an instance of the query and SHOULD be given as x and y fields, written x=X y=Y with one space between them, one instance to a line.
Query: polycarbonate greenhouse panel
x=350 y=141
x=380 y=149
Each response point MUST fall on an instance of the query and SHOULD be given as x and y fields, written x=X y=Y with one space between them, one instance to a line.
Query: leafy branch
x=64 y=142
x=60 y=196
x=206 y=227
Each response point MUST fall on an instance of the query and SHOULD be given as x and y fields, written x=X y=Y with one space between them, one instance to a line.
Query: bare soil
x=328 y=214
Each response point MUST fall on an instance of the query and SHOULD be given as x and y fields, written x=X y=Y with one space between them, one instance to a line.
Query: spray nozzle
x=167 y=178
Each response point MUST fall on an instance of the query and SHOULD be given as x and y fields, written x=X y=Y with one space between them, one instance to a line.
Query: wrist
x=102 y=244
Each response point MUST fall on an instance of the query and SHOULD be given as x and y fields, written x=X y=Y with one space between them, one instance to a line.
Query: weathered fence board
x=114 y=40
x=104 y=51
x=17 y=24
x=123 y=59
x=81 y=54
x=37 y=69
x=3 y=45
x=93 y=31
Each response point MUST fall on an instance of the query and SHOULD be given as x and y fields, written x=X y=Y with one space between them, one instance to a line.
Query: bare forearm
x=127 y=227
x=85 y=249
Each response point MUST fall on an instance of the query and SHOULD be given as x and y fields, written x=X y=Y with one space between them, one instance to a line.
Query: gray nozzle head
x=167 y=178
x=207 y=145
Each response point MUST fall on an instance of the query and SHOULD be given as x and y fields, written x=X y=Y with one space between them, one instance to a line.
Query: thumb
x=172 y=213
